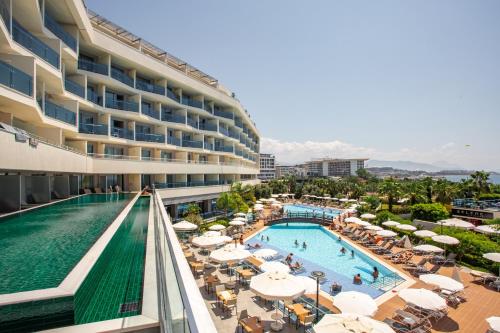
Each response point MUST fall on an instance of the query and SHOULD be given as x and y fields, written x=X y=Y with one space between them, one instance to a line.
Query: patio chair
x=411 y=320
x=230 y=304
x=397 y=326
x=453 y=298
x=450 y=259
x=411 y=265
x=385 y=250
x=306 y=321
x=433 y=270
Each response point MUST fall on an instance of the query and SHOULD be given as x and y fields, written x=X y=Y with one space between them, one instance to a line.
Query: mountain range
x=413 y=166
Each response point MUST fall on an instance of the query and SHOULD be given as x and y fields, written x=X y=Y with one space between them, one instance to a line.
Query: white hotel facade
x=86 y=104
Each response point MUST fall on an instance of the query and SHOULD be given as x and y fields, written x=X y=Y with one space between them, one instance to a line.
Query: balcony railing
x=172 y=95
x=149 y=87
x=122 y=77
x=122 y=105
x=149 y=137
x=171 y=140
x=239 y=152
x=148 y=110
x=209 y=146
x=122 y=133
x=192 y=143
x=100 y=129
x=16 y=79
x=192 y=102
x=223 y=131
x=192 y=122
x=91 y=66
x=5 y=13
x=60 y=113
x=238 y=123
x=191 y=184
x=173 y=118
x=74 y=88
x=35 y=45
x=208 y=127
x=234 y=135
x=223 y=114
x=93 y=97
x=57 y=30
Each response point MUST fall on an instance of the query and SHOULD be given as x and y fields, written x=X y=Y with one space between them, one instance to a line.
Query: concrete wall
x=10 y=193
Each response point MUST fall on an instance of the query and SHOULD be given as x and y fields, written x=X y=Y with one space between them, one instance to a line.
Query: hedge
x=429 y=212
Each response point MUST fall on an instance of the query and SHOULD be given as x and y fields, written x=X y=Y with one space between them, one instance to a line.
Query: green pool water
x=39 y=248
x=113 y=288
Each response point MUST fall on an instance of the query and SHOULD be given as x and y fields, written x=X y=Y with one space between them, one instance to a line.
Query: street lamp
x=317 y=275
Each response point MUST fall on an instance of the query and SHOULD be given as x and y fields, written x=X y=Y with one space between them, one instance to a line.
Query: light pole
x=317 y=275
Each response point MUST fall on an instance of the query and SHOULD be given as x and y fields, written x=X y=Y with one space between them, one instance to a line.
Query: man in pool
x=289 y=258
x=352 y=253
x=339 y=239
x=304 y=245
x=375 y=274
x=296 y=243
x=357 y=279
x=343 y=250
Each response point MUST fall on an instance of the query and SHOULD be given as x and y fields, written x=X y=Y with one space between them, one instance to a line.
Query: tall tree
x=415 y=191
x=390 y=188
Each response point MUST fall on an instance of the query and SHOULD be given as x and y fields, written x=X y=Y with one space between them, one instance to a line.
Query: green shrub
x=385 y=215
x=372 y=200
x=472 y=247
x=489 y=196
x=204 y=227
x=429 y=212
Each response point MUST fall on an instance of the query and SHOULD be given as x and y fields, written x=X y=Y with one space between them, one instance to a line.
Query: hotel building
x=267 y=166
x=85 y=103
x=334 y=167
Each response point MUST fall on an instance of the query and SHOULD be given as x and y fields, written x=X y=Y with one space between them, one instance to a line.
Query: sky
x=415 y=80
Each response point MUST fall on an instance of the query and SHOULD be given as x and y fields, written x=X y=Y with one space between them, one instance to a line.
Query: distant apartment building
x=334 y=167
x=290 y=170
x=267 y=166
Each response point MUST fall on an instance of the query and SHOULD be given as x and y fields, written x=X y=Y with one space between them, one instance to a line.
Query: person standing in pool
x=304 y=245
x=267 y=238
x=296 y=243
x=375 y=274
x=262 y=238
x=352 y=254
x=343 y=250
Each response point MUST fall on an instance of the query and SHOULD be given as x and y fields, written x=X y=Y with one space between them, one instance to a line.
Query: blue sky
x=390 y=80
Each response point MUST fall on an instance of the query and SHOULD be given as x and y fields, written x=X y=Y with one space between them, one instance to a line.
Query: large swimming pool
x=323 y=253
x=40 y=247
x=312 y=210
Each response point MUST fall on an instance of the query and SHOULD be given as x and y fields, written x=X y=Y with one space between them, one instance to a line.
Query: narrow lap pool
x=323 y=253
x=40 y=247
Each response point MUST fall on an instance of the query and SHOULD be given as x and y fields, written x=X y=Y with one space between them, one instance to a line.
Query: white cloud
x=297 y=152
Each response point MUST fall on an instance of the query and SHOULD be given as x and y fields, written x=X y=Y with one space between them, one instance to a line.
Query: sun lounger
x=411 y=265
x=403 y=259
x=385 y=250
x=411 y=320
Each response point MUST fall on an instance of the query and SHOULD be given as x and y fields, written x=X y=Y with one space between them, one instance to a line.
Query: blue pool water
x=323 y=253
x=317 y=211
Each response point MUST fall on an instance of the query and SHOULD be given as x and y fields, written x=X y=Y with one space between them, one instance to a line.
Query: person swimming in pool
x=339 y=239
x=267 y=238
x=304 y=245
x=375 y=274
x=343 y=250
x=352 y=253
x=357 y=279
x=296 y=243
x=262 y=238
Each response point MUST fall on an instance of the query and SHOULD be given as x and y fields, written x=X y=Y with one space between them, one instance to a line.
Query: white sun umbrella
x=184 y=226
x=229 y=254
x=368 y=216
x=237 y=223
x=386 y=233
x=352 y=200
x=350 y=323
x=443 y=239
x=275 y=286
x=355 y=302
x=258 y=208
x=493 y=256
x=494 y=323
x=406 y=227
x=240 y=215
x=442 y=282
x=487 y=229
x=258 y=202
x=265 y=253
x=457 y=223
x=424 y=233
x=274 y=266
x=343 y=200
x=308 y=283
x=210 y=241
x=423 y=298
x=244 y=219
x=428 y=248
x=390 y=223
x=212 y=233
x=235 y=246
x=373 y=228
x=216 y=227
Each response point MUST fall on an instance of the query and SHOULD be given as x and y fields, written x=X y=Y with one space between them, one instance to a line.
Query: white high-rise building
x=334 y=167
x=267 y=167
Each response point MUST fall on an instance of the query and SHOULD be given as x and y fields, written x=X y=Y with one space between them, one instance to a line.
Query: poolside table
x=210 y=282
x=244 y=273
x=299 y=310
x=225 y=295
x=252 y=325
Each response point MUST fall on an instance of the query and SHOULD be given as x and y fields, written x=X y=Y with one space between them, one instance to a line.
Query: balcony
x=224 y=114
x=192 y=122
x=173 y=118
x=5 y=13
x=93 y=97
x=238 y=123
x=171 y=140
x=35 y=45
x=152 y=88
x=122 y=77
x=91 y=66
x=209 y=146
x=208 y=127
x=192 y=143
x=60 y=113
x=234 y=135
x=172 y=95
x=192 y=184
x=99 y=129
x=192 y=102
x=148 y=110
x=122 y=133
x=150 y=137
x=224 y=149
x=239 y=152
x=207 y=107
x=16 y=79
x=223 y=131
x=122 y=105
x=57 y=30
x=74 y=88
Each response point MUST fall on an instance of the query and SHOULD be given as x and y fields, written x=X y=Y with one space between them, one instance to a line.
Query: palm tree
x=390 y=188
x=415 y=191
x=225 y=202
x=480 y=182
x=428 y=184
x=445 y=191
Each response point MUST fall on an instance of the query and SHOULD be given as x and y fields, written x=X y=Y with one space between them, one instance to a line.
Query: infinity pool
x=317 y=211
x=40 y=247
x=323 y=253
